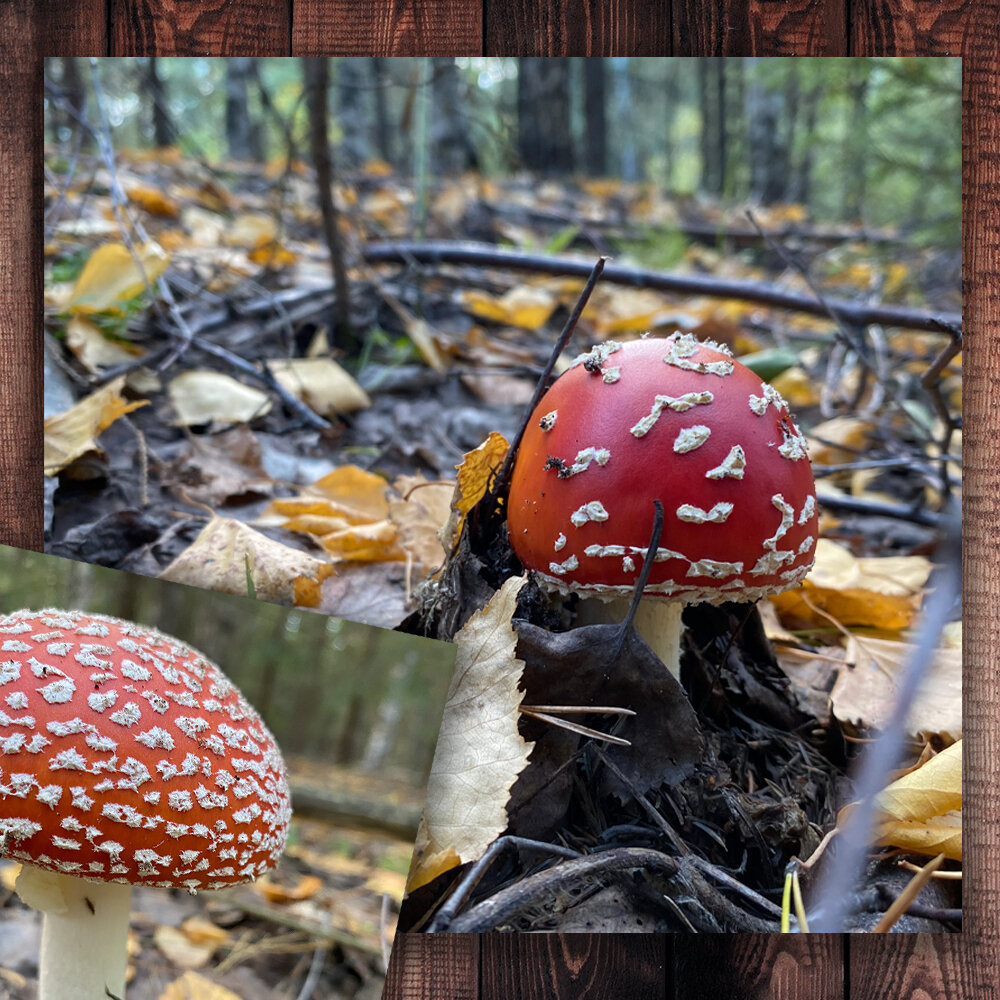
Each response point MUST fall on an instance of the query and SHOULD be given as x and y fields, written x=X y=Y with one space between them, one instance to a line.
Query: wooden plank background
x=469 y=968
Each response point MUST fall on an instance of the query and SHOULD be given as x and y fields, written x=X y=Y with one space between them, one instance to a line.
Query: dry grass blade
x=907 y=896
x=575 y=727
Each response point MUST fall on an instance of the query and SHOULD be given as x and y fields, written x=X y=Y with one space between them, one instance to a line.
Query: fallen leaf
x=864 y=694
x=477 y=470
x=201 y=396
x=95 y=351
x=219 y=559
x=181 y=950
x=249 y=230
x=113 y=275
x=922 y=810
x=374 y=542
x=321 y=384
x=523 y=306
x=154 y=200
x=192 y=986
x=306 y=887
x=420 y=515
x=838 y=440
x=479 y=750
x=73 y=433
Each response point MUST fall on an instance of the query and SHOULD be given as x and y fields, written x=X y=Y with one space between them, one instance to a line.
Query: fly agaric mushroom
x=126 y=758
x=683 y=422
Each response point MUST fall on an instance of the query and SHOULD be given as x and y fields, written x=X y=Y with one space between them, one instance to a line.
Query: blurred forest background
x=870 y=140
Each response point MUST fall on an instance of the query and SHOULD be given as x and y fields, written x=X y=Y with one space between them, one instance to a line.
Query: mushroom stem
x=657 y=621
x=84 y=934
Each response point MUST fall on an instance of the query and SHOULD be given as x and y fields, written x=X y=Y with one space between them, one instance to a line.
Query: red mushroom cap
x=126 y=756
x=679 y=421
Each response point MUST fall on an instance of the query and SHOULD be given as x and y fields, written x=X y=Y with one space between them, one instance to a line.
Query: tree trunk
x=238 y=129
x=353 y=89
x=767 y=139
x=543 y=116
x=856 y=144
x=383 y=131
x=711 y=99
x=164 y=132
x=595 y=128
x=451 y=149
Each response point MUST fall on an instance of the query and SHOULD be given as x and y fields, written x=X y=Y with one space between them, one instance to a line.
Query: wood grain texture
x=581 y=28
x=573 y=967
x=760 y=967
x=910 y=967
x=200 y=27
x=72 y=27
x=20 y=279
x=387 y=27
x=760 y=27
x=433 y=967
x=914 y=27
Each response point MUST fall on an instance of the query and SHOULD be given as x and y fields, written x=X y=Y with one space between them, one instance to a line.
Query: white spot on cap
x=808 y=509
x=794 y=445
x=16 y=646
x=714 y=568
x=156 y=739
x=549 y=420
x=690 y=438
x=127 y=715
x=101 y=701
x=591 y=511
x=679 y=404
x=68 y=760
x=134 y=671
x=49 y=795
x=612 y=375
x=732 y=466
x=583 y=459
x=81 y=800
x=807 y=543
x=695 y=515
x=181 y=801
x=628 y=565
x=58 y=692
x=561 y=569
x=10 y=670
x=560 y=543
x=603 y=551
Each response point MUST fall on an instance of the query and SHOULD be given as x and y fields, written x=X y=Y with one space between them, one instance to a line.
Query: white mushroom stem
x=84 y=934
x=657 y=621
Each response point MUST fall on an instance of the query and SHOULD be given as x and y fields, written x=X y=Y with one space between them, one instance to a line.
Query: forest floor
x=237 y=416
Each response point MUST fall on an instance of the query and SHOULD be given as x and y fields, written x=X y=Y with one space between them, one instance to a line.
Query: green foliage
x=661 y=247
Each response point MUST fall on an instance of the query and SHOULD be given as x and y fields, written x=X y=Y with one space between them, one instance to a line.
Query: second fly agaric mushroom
x=126 y=758
x=683 y=422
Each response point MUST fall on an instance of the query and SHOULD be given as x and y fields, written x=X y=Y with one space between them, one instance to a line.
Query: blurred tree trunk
x=290 y=149
x=383 y=131
x=801 y=191
x=544 y=143
x=712 y=101
x=767 y=137
x=164 y=132
x=451 y=148
x=239 y=138
x=69 y=110
x=316 y=80
x=595 y=124
x=624 y=118
x=390 y=710
x=353 y=86
x=856 y=143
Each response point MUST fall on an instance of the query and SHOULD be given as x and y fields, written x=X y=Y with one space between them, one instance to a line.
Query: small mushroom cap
x=127 y=756
x=670 y=419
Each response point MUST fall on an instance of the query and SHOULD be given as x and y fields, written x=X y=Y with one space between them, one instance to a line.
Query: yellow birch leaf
x=479 y=751
x=192 y=986
x=153 y=200
x=95 y=351
x=73 y=433
x=321 y=384
x=112 y=276
x=306 y=887
x=375 y=542
x=523 y=306
x=201 y=396
x=477 y=470
x=420 y=515
x=225 y=550
x=922 y=810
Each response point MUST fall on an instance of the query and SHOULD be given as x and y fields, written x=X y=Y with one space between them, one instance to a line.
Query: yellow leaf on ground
x=306 y=887
x=479 y=750
x=274 y=255
x=95 y=351
x=321 y=384
x=180 y=949
x=112 y=276
x=523 y=306
x=477 y=470
x=192 y=986
x=154 y=200
x=797 y=388
x=201 y=396
x=73 y=433
x=375 y=542
x=354 y=493
x=250 y=229
x=879 y=592
x=838 y=440
x=226 y=550
x=864 y=694
x=922 y=810
x=420 y=514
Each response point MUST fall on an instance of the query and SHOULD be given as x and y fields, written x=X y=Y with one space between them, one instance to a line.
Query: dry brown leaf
x=73 y=433
x=181 y=950
x=95 y=351
x=220 y=557
x=192 y=986
x=154 y=200
x=112 y=276
x=479 y=750
x=922 y=810
x=201 y=396
x=321 y=384
x=864 y=695
x=420 y=515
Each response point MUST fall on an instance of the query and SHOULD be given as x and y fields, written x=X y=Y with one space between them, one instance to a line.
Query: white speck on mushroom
x=49 y=795
x=59 y=691
x=714 y=568
x=81 y=800
x=593 y=510
x=598 y=354
x=808 y=509
x=66 y=844
x=15 y=828
x=102 y=744
x=612 y=375
x=156 y=739
x=68 y=760
x=13 y=744
x=787 y=520
x=191 y=726
x=733 y=465
x=690 y=438
x=134 y=671
x=684 y=346
x=583 y=459
x=208 y=799
x=16 y=646
x=180 y=800
x=127 y=715
x=17 y=700
x=695 y=515
x=549 y=420
x=560 y=543
x=771 y=561
x=10 y=670
x=138 y=774
x=679 y=404
x=37 y=743
x=628 y=565
x=101 y=701
x=807 y=543
x=794 y=446
x=58 y=648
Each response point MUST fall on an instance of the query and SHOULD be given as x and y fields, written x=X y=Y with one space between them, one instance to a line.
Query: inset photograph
x=201 y=795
